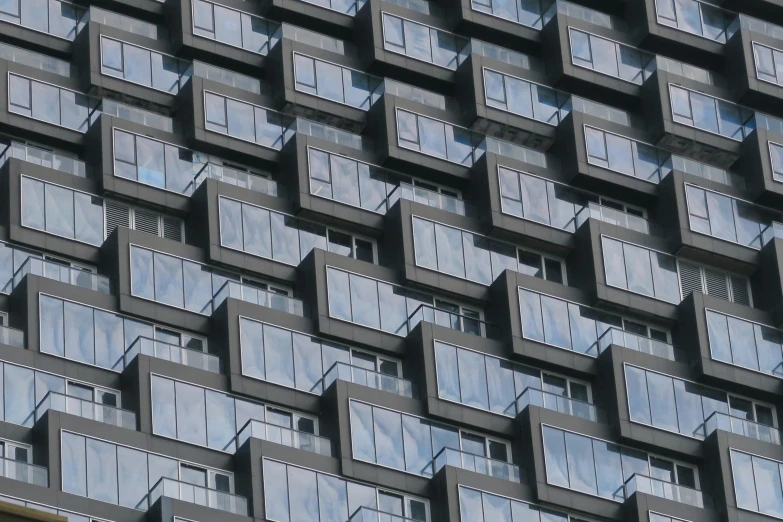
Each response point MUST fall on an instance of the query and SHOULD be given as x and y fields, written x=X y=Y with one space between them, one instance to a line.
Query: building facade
x=391 y=260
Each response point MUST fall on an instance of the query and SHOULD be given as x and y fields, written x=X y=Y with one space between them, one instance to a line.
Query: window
x=377 y=437
x=50 y=103
x=139 y=65
x=709 y=114
x=61 y=211
x=744 y=343
x=683 y=407
x=640 y=270
x=93 y=336
x=480 y=506
x=299 y=360
x=153 y=162
x=232 y=27
x=527 y=13
x=776 y=160
x=524 y=98
x=422 y=42
x=489 y=383
x=608 y=57
x=757 y=483
x=769 y=61
x=601 y=468
x=206 y=417
x=477 y=258
x=245 y=121
x=54 y=17
x=695 y=17
x=294 y=493
x=726 y=218
x=436 y=138
x=626 y=156
x=335 y=82
x=393 y=309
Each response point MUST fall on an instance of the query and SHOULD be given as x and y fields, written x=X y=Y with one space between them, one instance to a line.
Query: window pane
x=191 y=413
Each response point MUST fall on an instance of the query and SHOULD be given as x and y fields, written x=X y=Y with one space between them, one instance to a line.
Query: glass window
x=421 y=41
x=50 y=103
x=244 y=121
x=694 y=17
x=707 y=113
x=232 y=27
x=724 y=217
x=640 y=270
x=757 y=483
x=605 y=56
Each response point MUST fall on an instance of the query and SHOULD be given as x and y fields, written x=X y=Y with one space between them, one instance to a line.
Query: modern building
x=391 y=260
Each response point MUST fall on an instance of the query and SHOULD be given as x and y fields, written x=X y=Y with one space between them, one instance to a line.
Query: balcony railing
x=24 y=472
x=11 y=337
x=171 y=352
x=619 y=218
x=365 y=514
x=258 y=296
x=453 y=320
x=198 y=495
x=664 y=489
x=237 y=178
x=477 y=463
x=552 y=401
x=285 y=436
x=432 y=199
x=44 y=158
x=640 y=343
x=372 y=379
x=740 y=426
x=86 y=409
x=62 y=273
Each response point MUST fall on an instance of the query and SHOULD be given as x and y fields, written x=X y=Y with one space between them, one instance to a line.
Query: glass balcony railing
x=24 y=472
x=86 y=409
x=44 y=158
x=36 y=60
x=229 y=77
x=365 y=377
x=128 y=24
x=640 y=343
x=171 y=352
x=198 y=495
x=238 y=178
x=285 y=436
x=365 y=514
x=65 y=274
x=619 y=218
x=740 y=426
x=664 y=489
x=11 y=337
x=554 y=402
x=258 y=296
x=432 y=199
x=476 y=463
x=464 y=323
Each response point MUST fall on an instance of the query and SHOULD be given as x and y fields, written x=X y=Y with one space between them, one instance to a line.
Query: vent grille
x=116 y=216
x=739 y=290
x=717 y=285
x=145 y=221
x=690 y=279
x=172 y=228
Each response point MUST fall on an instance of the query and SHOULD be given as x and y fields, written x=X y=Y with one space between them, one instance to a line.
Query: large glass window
x=744 y=343
x=436 y=138
x=294 y=494
x=525 y=12
x=710 y=114
x=538 y=199
x=478 y=258
x=769 y=63
x=245 y=121
x=152 y=162
x=349 y=7
x=640 y=270
x=601 y=468
x=335 y=82
x=776 y=160
x=123 y=475
x=608 y=57
x=232 y=27
x=51 y=104
x=422 y=42
x=697 y=18
x=61 y=19
x=626 y=156
x=524 y=98
x=726 y=218
x=143 y=66
x=61 y=211
x=757 y=483
x=480 y=506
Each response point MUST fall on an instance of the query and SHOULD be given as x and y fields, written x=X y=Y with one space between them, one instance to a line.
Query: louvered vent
x=739 y=290
x=172 y=228
x=116 y=216
x=717 y=285
x=690 y=278
x=145 y=221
